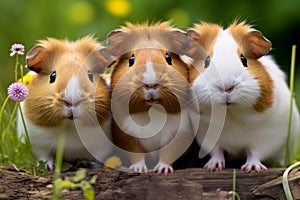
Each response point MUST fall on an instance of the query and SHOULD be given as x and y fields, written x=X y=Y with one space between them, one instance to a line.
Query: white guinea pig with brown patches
x=149 y=88
x=68 y=96
x=243 y=97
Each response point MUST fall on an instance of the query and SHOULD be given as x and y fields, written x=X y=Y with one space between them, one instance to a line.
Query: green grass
x=292 y=75
x=285 y=182
x=15 y=150
x=12 y=150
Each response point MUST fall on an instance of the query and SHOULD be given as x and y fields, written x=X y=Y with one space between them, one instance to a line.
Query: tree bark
x=191 y=183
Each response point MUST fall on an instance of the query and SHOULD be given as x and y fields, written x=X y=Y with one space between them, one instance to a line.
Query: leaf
x=88 y=191
x=79 y=175
x=93 y=179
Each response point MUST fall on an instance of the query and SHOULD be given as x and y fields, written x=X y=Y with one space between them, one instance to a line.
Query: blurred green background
x=26 y=21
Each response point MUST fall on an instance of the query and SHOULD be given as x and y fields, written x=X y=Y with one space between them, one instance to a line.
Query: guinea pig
x=149 y=84
x=68 y=96
x=243 y=98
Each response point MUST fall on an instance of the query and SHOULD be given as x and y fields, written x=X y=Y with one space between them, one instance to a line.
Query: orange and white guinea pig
x=149 y=89
x=243 y=97
x=68 y=96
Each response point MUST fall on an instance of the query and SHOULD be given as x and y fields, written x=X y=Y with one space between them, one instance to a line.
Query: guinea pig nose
x=149 y=86
x=70 y=104
x=227 y=89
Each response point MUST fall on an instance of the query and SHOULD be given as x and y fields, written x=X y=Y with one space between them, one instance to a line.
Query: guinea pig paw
x=162 y=168
x=215 y=164
x=49 y=166
x=139 y=167
x=256 y=165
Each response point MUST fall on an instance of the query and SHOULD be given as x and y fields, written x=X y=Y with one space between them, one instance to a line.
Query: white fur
x=150 y=79
x=239 y=129
x=149 y=75
x=146 y=125
x=82 y=141
x=158 y=132
x=72 y=95
x=173 y=128
x=164 y=168
x=139 y=166
x=72 y=91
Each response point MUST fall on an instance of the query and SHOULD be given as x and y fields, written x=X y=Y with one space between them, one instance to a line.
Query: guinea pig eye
x=52 y=77
x=244 y=60
x=207 y=62
x=168 y=59
x=91 y=76
x=131 y=60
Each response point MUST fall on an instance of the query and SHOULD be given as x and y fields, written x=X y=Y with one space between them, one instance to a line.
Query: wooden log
x=191 y=183
x=274 y=187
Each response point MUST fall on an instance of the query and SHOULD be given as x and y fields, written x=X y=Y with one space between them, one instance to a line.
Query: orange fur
x=241 y=32
x=162 y=25
x=251 y=43
x=44 y=104
x=205 y=34
x=146 y=42
x=169 y=78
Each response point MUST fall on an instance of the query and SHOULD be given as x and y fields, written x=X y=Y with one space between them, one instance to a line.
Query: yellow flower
x=112 y=162
x=81 y=13
x=118 y=8
x=27 y=79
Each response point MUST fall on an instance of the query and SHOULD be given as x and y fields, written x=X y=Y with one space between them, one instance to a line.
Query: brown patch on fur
x=126 y=141
x=44 y=104
x=240 y=32
x=194 y=73
x=252 y=42
x=162 y=25
x=147 y=43
x=266 y=98
x=158 y=36
x=205 y=34
x=172 y=78
x=136 y=36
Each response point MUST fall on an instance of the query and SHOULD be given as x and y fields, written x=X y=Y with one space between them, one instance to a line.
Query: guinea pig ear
x=102 y=59
x=35 y=58
x=257 y=45
x=116 y=42
x=193 y=34
x=183 y=44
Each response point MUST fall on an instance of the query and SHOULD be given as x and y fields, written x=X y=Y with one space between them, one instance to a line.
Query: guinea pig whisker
x=167 y=99
x=123 y=93
x=178 y=91
x=101 y=106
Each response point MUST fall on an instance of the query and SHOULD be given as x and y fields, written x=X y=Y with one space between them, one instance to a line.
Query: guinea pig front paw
x=253 y=164
x=139 y=167
x=215 y=163
x=49 y=165
x=162 y=168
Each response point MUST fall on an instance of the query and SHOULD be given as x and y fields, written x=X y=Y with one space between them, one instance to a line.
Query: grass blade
x=285 y=181
x=292 y=73
x=58 y=164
